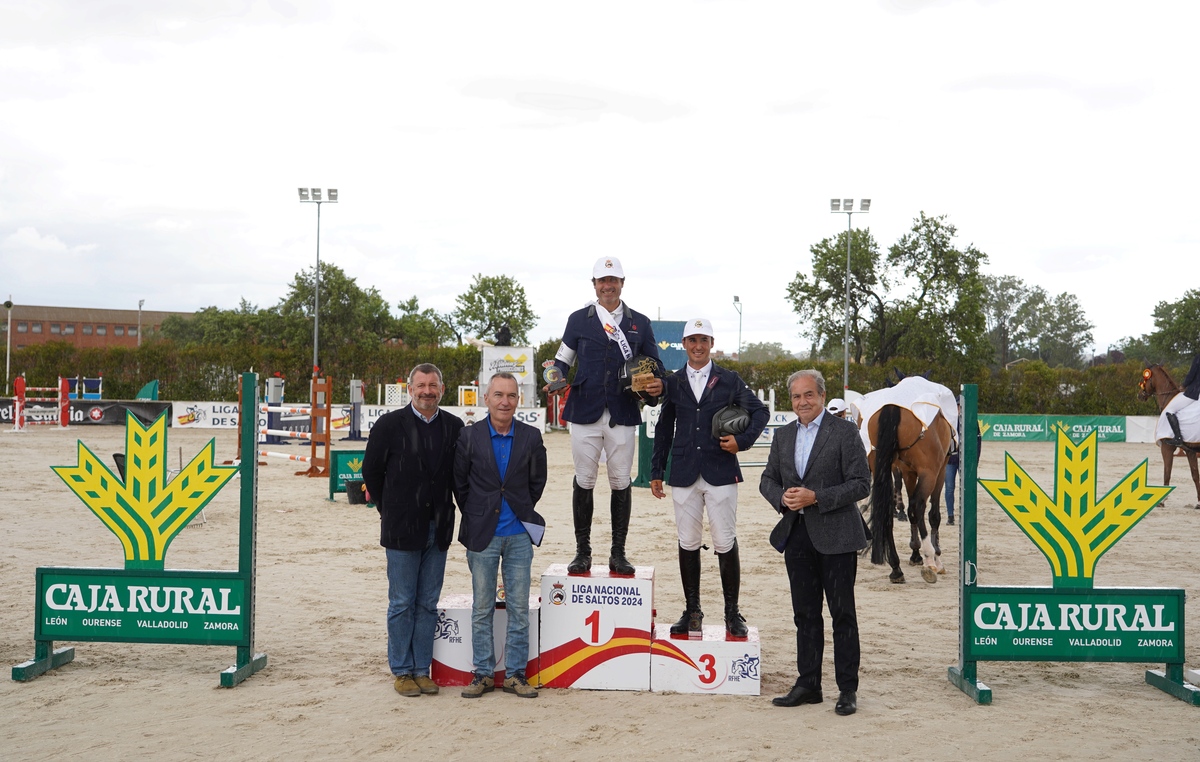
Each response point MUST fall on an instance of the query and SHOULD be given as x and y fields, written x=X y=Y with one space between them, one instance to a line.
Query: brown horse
x=902 y=442
x=1157 y=383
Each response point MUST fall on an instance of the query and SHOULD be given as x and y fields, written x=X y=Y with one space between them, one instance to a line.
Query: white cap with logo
x=606 y=267
x=836 y=405
x=698 y=327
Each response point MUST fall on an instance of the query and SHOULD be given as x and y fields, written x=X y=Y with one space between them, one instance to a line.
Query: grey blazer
x=837 y=472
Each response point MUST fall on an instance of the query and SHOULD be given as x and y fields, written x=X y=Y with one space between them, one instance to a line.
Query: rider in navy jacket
x=597 y=383
x=704 y=471
x=599 y=340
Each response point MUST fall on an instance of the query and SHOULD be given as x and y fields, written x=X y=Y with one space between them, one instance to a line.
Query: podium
x=453 y=660
x=596 y=629
x=709 y=665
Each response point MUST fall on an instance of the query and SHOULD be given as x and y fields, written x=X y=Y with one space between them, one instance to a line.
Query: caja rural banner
x=1043 y=428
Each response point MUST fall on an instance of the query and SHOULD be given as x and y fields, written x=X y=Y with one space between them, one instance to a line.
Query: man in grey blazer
x=816 y=472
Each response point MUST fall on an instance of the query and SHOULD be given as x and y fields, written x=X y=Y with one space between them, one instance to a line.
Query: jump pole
x=20 y=398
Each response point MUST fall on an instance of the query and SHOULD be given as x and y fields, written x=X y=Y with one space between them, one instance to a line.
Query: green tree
x=1176 y=335
x=493 y=301
x=923 y=300
x=815 y=296
x=418 y=327
x=764 y=351
x=1003 y=297
x=350 y=314
x=1054 y=330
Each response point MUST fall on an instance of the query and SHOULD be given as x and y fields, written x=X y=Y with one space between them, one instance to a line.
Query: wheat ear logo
x=1072 y=528
x=146 y=511
x=355 y=464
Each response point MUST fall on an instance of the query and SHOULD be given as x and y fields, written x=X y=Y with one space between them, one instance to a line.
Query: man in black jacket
x=704 y=471
x=408 y=470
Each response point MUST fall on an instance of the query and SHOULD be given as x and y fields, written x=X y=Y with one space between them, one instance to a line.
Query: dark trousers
x=812 y=573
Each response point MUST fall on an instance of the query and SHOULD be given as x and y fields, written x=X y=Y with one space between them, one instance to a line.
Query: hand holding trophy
x=554 y=380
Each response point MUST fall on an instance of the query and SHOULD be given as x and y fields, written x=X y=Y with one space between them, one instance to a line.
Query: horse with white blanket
x=911 y=427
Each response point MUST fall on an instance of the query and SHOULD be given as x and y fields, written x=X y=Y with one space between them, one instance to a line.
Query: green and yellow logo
x=146 y=511
x=1072 y=529
x=355 y=465
x=984 y=427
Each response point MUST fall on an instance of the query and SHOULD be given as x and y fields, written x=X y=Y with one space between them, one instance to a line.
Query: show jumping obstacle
x=21 y=412
x=318 y=435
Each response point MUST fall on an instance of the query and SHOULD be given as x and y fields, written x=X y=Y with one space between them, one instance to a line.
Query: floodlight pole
x=313 y=196
x=140 y=303
x=737 y=304
x=8 y=305
x=846 y=207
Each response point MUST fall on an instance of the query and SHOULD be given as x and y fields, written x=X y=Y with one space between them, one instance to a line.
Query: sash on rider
x=613 y=328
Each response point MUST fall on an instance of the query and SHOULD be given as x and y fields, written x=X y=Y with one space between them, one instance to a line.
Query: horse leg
x=914 y=541
x=1168 y=456
x=935 y=520
x=925 y=483
x=1195 y=474
x=893 y=558
x=897 y=487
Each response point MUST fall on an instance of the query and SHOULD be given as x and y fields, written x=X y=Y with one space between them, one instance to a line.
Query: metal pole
x=8 y=343
x=140 y=303
x=846 y=344
x=738 y=304
x=317 y=292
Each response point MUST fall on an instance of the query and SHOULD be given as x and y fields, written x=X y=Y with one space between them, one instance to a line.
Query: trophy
x=637 y=374
x=554 y=379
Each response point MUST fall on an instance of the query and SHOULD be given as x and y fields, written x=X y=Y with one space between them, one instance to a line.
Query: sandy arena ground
x=327 y=692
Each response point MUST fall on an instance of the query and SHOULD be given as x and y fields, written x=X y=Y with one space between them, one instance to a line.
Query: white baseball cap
x=698 y=327
x=836 y=406
x=608 y=266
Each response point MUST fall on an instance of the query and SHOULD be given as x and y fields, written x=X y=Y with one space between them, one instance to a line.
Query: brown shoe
x=519 y=685
x=479 y=685
x=406 y=686
x=427 y=686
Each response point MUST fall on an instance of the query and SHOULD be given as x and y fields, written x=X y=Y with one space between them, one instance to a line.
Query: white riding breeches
x=617 y=443
x=690 y=503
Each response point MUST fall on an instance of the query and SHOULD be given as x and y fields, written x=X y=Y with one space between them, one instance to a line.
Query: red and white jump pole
x=21 y=399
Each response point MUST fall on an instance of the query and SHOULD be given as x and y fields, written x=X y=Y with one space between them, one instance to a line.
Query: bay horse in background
x=902 y=442
x=1157 y=383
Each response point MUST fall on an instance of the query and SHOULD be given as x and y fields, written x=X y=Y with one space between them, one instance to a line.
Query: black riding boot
x=731 y=583
x=581 y=512
x=692 y=620
x=621 y=505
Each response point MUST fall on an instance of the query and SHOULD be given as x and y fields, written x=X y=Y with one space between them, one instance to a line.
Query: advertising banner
x=1049 y=624
x=141 y=606
x=669 y=335
x=345 y=464
x=1042 y=428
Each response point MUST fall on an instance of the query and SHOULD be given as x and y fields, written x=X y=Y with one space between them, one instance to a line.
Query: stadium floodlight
x=313 y=196
x=846 y=206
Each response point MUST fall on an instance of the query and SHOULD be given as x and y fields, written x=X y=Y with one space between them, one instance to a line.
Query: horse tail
x=882 y=494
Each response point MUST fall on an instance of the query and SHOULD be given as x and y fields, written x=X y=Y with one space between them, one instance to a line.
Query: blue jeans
x=517 y=552
x=414 y=586
x=951 y=480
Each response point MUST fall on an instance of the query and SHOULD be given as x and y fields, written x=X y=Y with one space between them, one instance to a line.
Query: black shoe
x=690 y=625
x=847 y=703
x=950 y=521
x=799 y=695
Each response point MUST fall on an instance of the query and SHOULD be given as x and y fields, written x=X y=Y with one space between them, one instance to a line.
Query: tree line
x=921 y=306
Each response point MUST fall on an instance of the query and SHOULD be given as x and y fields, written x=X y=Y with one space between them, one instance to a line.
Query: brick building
x=78 y=326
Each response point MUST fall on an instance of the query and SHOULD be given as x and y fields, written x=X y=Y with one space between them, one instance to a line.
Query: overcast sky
x=152 y=150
